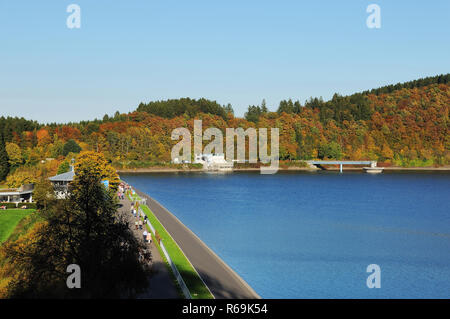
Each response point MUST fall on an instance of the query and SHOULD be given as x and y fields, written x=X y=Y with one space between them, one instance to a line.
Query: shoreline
x=283 y=169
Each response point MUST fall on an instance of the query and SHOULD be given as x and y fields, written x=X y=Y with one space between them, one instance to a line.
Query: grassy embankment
x=194 y=283
x=13 y=224
x=9 y=220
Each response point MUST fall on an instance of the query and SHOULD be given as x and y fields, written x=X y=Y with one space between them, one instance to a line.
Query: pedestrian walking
x=140 y=223
x=144 y=234
x=149 y=237
x=136 y=224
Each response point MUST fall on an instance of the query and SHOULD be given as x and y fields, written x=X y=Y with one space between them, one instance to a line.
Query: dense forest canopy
x=438 y=79
x=191 y=107
x=11 y=128
x=407 y=126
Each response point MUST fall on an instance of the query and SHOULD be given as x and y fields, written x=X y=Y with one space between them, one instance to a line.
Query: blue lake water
x=313 y=234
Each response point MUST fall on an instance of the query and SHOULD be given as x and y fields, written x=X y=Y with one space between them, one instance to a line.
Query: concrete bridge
x=372 y=164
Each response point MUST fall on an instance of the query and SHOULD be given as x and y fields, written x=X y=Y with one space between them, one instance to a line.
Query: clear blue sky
x=236 y=52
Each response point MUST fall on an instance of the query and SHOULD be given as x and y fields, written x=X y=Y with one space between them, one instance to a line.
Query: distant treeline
x=14 y=126
x=354 y=107
x=191 y=107
x=340 y=108
x=438 y=79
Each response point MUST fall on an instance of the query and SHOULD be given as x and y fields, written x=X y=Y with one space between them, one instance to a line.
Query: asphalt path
x=222 y=281
x=161 y=285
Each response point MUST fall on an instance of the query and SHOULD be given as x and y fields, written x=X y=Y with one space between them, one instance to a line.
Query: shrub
x=18 y=205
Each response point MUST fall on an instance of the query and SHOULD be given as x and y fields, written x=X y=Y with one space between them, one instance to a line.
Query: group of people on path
x=138 y=214
x=140 y=222
x=123 y=188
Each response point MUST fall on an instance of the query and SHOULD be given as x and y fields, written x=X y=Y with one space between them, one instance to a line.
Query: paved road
x=222 y=281
x=161 y=285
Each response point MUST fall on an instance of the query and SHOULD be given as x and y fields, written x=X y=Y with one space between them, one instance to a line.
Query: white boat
x=373 y=170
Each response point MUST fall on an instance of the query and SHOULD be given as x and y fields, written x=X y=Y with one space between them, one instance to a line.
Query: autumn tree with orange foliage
x=91 y=163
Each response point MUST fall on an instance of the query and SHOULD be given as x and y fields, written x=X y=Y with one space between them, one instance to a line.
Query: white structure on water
x=372 y=169
x=213 y=162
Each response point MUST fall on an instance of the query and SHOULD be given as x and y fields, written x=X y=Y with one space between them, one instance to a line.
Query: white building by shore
x=213 y=162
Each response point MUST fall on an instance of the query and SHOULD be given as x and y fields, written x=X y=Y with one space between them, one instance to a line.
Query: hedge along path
x=192 y=279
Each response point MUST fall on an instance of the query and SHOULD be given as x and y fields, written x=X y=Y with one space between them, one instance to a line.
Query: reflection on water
x=312 y=235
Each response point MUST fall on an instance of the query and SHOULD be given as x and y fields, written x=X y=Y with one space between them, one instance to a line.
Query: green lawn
x=194 y=283
x=9 y=219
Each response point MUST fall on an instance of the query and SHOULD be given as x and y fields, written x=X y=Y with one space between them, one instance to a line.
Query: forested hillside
x=404 y=124
x=190 y=107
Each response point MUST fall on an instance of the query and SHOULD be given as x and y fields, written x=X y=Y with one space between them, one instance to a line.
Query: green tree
x=57 y=149
x=286 y=106
x=253 y=113
x=4 y=160
x=229 y=109
x=14 y=154
x=264 y=109
x=330 y=150
x=304 y=144
x=64 y=167
x=71 y=147
x=44 y=194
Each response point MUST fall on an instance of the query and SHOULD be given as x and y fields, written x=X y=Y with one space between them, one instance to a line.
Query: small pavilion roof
x=64 y=177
